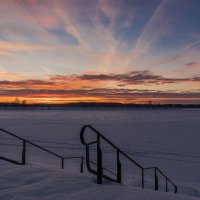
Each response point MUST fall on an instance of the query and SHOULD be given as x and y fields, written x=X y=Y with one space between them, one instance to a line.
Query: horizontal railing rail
x=25 y=142
x=24 y=147
x=10 y=160
x=99 y=170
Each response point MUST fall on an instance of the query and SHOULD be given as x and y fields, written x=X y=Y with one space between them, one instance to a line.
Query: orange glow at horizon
x=50 y=53
x=64 y=100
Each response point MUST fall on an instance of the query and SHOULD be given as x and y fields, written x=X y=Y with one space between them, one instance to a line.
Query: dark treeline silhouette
x=98 y=105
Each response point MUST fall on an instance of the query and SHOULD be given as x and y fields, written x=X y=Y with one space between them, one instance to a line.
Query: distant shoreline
x=94 y=106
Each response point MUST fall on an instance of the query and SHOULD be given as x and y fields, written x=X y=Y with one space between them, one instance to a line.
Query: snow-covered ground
x=168 y=139
x=39 y=182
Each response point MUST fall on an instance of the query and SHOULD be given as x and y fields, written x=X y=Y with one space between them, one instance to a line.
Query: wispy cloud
x=175 y=56
x=13 y=46
x=115 y=44
x=149 y=34
x=191 y=66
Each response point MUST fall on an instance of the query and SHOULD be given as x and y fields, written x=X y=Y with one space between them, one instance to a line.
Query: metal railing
x=99 y=172
x=24 y=152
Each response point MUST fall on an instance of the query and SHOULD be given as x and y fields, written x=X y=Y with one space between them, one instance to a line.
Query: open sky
x=128 y=51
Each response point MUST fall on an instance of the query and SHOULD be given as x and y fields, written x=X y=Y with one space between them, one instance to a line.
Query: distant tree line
x=98 y=105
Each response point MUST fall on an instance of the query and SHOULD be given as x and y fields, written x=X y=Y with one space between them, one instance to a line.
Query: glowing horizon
x=100 y=51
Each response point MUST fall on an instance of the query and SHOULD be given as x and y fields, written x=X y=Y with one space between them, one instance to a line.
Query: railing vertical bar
x=156 y=178
x=62 y=163
x=81 y=169
x=142 y=178
x=119 y=169
x=24 y=153
x=166 y=189
x=175 y=190
x=99 y=162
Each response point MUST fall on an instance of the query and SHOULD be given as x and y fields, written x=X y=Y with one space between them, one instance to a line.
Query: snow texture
x=168 y=139
x=36 y=182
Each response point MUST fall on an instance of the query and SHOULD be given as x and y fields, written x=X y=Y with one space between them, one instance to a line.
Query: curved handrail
x=103 y=167
x=99 y=171
x=108 y=141
x=84 y=158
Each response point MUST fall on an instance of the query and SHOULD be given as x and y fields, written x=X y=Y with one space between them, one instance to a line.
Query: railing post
x=99 y=162
x=81 y=165
x=142 y=178
x=62 y=163
x=156 y=179
x=175 y=190
x=119 y=171
x=166 y=189
x=24 y=153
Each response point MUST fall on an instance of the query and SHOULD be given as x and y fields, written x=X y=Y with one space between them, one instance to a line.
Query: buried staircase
x=99 y=170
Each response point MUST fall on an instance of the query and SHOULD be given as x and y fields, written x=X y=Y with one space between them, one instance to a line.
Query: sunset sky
x=128 y=51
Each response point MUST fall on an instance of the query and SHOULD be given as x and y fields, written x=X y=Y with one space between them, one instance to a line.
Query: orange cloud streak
x=97 y=87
